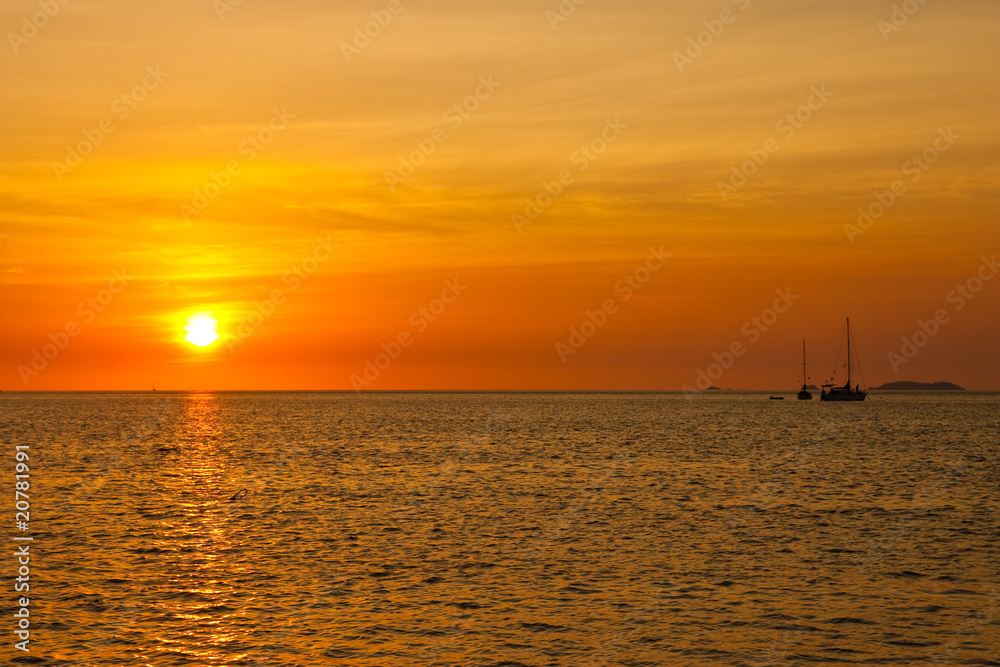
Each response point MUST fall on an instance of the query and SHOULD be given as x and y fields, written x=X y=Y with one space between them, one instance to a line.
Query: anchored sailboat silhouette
x=845 y=393
x=804 y=394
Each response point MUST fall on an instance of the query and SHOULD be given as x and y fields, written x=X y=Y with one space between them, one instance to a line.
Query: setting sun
x=202 y=330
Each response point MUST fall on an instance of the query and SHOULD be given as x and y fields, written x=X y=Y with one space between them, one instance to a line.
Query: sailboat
x=804 y=394
x=845 y=393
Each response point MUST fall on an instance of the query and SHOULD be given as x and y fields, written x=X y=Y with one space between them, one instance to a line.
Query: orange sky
x=494 y=100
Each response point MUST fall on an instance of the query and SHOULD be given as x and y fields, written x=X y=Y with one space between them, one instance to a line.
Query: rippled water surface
x=510 y=529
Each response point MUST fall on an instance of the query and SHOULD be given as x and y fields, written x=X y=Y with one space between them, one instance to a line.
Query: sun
x=202 y=329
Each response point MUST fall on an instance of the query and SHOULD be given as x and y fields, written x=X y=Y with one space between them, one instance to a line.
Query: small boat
x=845 y=393
x=776 y=398
x=804 y=394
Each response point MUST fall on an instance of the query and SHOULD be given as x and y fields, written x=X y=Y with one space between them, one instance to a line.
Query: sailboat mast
x=848 y=353
x=803 y=363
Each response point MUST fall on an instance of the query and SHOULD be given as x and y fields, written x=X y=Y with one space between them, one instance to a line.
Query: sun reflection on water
x=200 y=590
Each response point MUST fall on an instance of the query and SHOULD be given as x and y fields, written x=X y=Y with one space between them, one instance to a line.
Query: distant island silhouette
x=906 y=385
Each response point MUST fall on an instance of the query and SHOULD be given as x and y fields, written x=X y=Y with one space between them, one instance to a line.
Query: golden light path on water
x=199 y=573
x=533 y=529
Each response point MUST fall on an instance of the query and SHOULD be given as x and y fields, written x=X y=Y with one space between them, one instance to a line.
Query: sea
x=505 y=529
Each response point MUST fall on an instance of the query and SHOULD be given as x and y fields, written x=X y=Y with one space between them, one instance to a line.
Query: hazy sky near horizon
x=411 y=150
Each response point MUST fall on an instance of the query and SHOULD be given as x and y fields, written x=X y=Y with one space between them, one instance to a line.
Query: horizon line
x=468 y=391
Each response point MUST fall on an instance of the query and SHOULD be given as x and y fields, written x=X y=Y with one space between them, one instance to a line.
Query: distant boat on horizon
x=845 y=393
x=804 y=394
